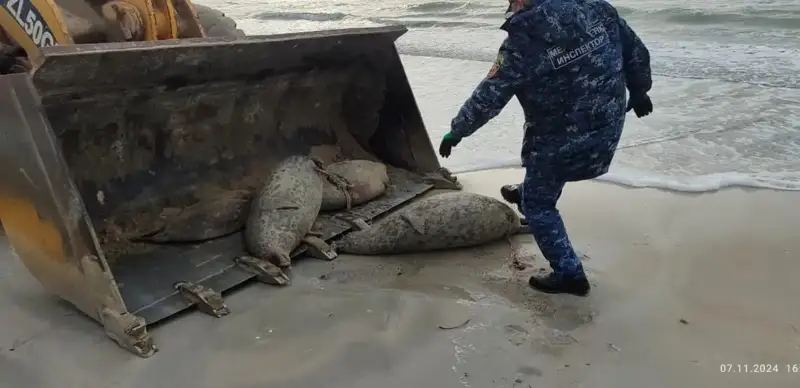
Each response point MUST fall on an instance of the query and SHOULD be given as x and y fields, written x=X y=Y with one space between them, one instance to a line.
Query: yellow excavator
x=114 y=112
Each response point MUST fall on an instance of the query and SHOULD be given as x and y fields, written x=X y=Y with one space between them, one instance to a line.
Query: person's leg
x=540 y=193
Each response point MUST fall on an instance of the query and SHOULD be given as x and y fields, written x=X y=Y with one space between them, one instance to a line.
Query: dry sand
x=683 y=285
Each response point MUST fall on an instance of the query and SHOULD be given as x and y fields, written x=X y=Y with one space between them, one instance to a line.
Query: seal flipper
x=521 y=227
x=518 y=225
x=417 y=224
x=282 y=260
x=155 y=235
x=319 y=249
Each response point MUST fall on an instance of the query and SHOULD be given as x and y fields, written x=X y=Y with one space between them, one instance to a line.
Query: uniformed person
x=569 y=63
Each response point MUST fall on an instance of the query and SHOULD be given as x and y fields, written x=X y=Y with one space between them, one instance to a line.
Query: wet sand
x=683 y=285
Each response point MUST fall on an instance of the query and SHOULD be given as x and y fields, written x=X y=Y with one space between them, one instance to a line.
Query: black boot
x=512 y=195
x=553 y=284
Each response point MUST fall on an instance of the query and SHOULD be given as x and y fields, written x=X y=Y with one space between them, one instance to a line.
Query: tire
x=215 y=23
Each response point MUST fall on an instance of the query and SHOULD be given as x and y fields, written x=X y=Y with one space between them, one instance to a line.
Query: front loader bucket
x=102 y=138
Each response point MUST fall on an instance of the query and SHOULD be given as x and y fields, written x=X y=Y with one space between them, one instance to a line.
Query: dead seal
x=362 y=181
x=444 y=221
x=283 y=211
x=205 y=220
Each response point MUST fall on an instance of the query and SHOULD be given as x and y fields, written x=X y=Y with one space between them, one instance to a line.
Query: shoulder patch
x=495 y=66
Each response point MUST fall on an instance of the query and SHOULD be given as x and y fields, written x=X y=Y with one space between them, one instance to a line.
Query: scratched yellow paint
x=27 y=232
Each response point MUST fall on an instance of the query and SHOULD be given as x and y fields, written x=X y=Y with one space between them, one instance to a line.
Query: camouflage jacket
x=569 y=63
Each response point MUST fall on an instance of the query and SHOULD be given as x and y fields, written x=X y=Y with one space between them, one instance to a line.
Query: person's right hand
x=641 y=105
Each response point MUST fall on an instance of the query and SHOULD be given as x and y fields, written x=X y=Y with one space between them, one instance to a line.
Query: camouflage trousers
x=540 y=192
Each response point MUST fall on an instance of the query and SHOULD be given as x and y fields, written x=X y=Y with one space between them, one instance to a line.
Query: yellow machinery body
x=36 y=24
x=98 y=139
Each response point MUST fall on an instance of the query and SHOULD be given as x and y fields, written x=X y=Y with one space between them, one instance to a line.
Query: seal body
x=443 y=221
x=364 y=180
x=204 y=220
x=284 y=210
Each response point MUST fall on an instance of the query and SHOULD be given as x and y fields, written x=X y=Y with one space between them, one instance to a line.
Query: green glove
x=448 y=142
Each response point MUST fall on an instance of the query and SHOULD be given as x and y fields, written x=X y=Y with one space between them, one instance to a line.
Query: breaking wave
x=310 y=16
x=748 y=16
x=338 y=16
x=429 y=23
x=786 y=18
x=745 y=16
x=437 y=7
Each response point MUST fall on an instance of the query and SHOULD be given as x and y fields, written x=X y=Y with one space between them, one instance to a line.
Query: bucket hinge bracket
x=353 y=220
x=442 y=178
x=264 y=271
x=205 y=298
x=319 y=249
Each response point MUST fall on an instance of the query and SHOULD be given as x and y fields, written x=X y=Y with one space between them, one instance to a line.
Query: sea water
x=726 y=85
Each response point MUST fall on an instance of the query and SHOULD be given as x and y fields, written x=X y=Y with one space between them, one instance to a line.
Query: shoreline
x=604 y=179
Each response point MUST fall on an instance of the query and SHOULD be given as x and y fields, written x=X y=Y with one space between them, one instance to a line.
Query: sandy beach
x=683 y=284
